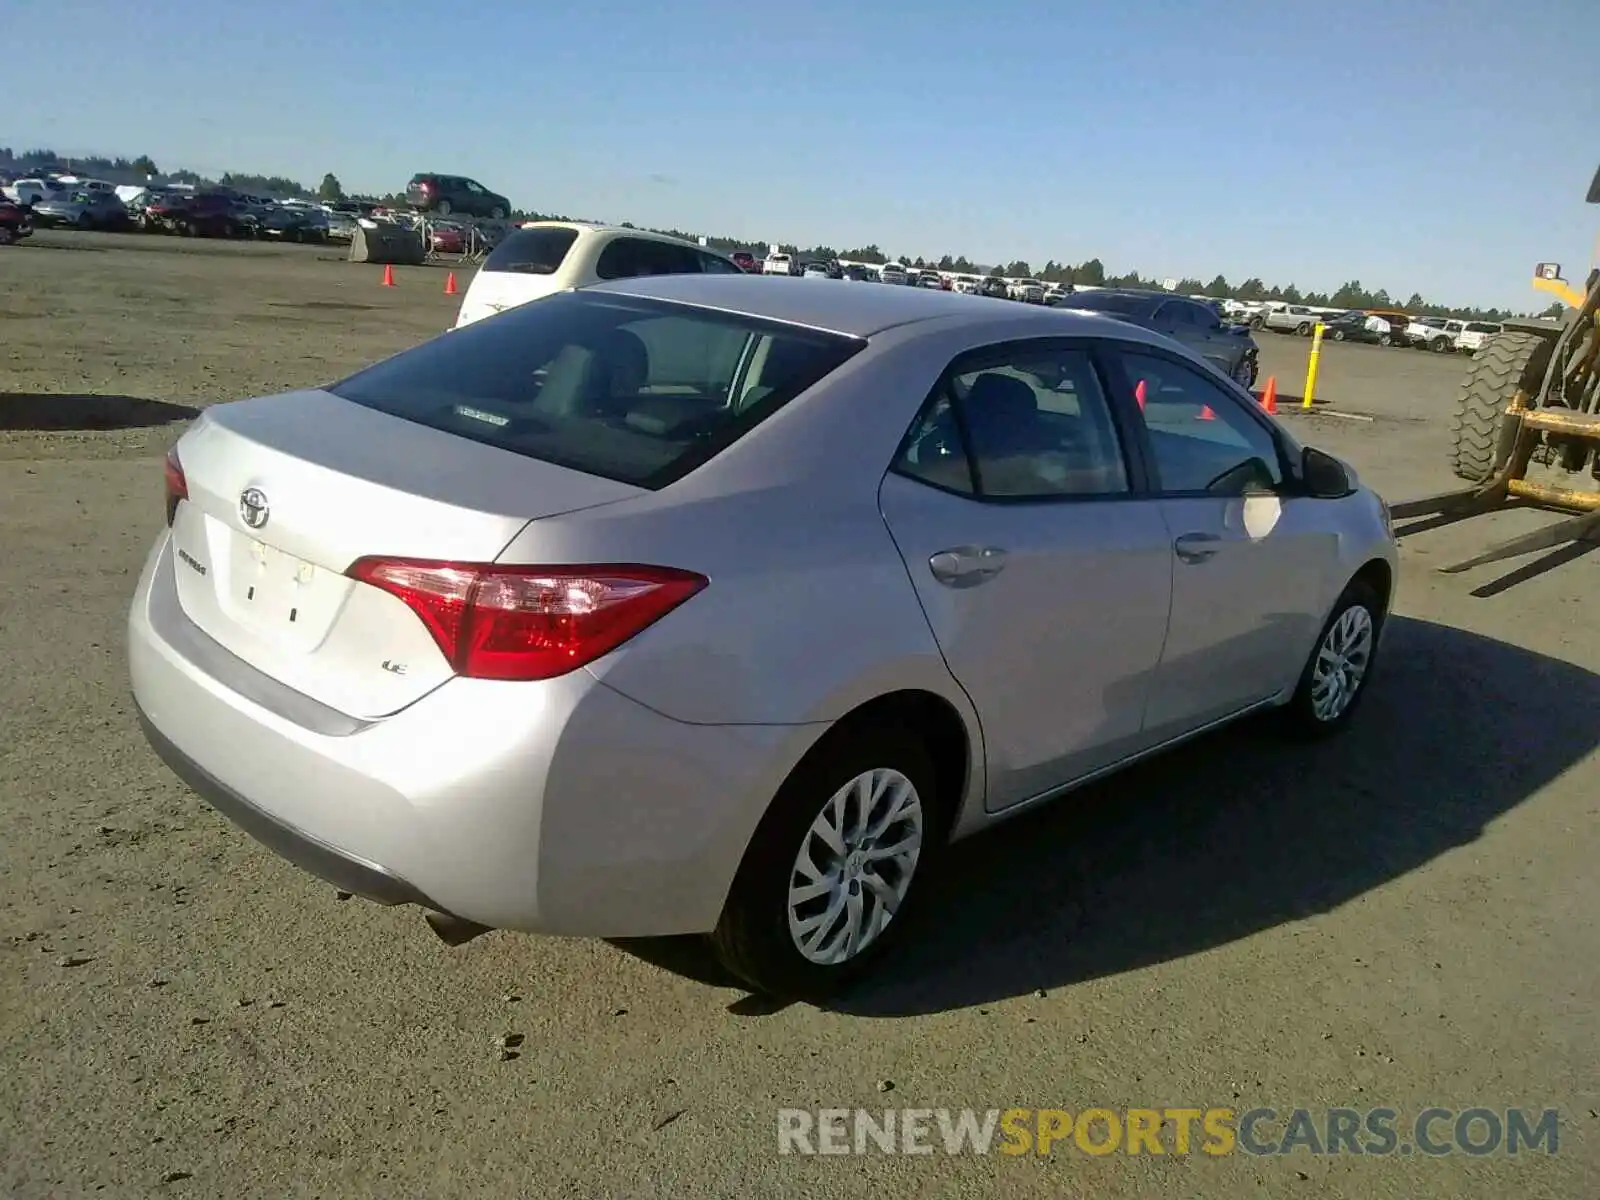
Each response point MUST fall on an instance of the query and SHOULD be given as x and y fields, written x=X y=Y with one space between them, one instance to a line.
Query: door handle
x=967 y=566
x=1196 y=547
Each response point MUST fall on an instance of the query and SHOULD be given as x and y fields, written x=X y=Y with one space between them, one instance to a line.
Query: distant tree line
x=1091 y=273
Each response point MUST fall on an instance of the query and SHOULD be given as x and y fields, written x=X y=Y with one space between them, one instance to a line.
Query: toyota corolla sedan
x=704 y=605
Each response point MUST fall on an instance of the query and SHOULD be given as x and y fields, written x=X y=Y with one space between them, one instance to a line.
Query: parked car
x=85 y=209
x=1029 y=291
x=967 y=285
x=32 y=190
x=545 y=257
x=1196 y=324
x=290 y=222
x=931 y=280
x=359 y=636
x=856 y=273
x=446 y=238
x=1475 y=336
x=203 y=214
x=745 y=261
x=816 y=270
x=995 y=288
x=1290 y=318
x=779 y=264
x=16 y=222
x=893 y=273
x=446 y=194
x=1437 y=334
x=1357 y=326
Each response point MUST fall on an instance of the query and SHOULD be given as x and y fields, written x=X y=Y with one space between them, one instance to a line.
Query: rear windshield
x=633 y=390
x=532 y=251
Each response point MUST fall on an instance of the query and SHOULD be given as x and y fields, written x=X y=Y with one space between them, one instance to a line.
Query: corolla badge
x=253 y=507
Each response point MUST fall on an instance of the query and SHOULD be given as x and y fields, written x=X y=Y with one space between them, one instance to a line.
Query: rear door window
x=629 y=258
x=627 y=389
x=532 y=251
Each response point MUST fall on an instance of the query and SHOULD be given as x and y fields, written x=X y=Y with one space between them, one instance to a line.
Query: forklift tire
x=1509 y=363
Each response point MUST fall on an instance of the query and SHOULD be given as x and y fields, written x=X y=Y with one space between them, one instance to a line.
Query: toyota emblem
x=253 y=509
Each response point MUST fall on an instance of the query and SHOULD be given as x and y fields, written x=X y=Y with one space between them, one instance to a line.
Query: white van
x=778 y=264
x=544 y=257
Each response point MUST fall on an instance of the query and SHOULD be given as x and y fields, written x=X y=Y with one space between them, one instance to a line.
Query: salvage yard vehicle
x=1357 y=326
x=202 y=214
x=1291 y=318
x=1531 y=397
x=83 y=209
x=16 y=222
x=1475 y=335
x=1197 y=325
x=442 y=195
x=676 y=605
x=1433 y=333
x=1029 y=291
x=543 y=258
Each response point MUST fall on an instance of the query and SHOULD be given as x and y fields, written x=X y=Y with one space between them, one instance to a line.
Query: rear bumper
x=558 y=807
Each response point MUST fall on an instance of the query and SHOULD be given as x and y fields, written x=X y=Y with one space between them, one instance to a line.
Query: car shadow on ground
x=1233 y=834
x=52 y=411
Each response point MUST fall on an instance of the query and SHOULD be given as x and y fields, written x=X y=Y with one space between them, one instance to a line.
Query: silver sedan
x=721 y=605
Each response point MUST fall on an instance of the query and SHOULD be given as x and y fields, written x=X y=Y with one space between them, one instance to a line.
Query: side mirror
x=1323 y=476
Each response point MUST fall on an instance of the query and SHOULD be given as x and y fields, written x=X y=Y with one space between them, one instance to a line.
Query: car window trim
x=1232 y=391
x=1135 y=456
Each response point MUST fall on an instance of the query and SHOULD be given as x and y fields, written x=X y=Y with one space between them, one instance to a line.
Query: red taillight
x=525 y=623
x=177 y=485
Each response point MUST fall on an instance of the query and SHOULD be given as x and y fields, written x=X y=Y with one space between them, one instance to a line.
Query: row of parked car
x=1377 y=326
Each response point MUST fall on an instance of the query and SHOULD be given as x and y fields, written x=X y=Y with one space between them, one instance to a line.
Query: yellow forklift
x=1531 y=396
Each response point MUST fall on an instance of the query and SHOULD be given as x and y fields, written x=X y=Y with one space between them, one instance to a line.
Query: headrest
x=994 y=397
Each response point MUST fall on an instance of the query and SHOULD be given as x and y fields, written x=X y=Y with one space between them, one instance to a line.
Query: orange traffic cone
x=388 y=275
x=450 y=284
x=1206 y=414
x=1138 y=394
x=1269 y=398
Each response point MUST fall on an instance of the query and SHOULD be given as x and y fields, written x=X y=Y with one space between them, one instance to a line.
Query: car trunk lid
x=285 y=493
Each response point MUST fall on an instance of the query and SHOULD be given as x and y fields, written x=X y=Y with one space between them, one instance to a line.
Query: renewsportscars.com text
x=1432 y=1132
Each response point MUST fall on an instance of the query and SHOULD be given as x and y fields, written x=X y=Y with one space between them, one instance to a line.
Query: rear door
x=1249 y=563
x=1043 y=569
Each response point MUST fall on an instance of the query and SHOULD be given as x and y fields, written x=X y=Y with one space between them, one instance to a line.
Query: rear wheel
x=1385 y=339
x=1508 y=363
x=1303 y=329
x=1442 y=346
x=1338 y=335
x=824 y=884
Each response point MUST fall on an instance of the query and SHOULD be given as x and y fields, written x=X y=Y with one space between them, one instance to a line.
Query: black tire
x=1385 y=339
x=1256 y=322
x=1299 y=717
x=1508 y=362
x=752 y=937
x=1303 y=329
x=1338 y=335
x=1441 y=346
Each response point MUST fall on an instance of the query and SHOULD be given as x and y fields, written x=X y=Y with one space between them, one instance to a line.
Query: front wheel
x=1338 y=335
x=1385 y=339
x=825 y=882
x=1335 y=678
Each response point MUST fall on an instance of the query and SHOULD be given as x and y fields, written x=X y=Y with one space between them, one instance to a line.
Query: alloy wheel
x=1341 y=663
x=855 y=866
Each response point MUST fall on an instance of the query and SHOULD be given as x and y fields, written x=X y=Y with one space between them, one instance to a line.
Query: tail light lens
x=527 y=623
x=177 y=485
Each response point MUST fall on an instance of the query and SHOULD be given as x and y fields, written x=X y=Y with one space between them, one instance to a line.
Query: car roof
x=593 y=227
x=854 y=312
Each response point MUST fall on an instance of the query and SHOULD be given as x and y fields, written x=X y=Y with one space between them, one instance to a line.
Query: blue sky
x=1436 y=145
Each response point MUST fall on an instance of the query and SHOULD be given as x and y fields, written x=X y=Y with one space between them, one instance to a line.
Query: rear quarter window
x=532 y=251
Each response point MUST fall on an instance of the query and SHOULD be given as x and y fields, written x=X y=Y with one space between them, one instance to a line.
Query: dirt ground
x=1403 y=917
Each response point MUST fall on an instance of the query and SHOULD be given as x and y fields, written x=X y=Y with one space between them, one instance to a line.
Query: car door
x=1043 y=567
x=1250 y=560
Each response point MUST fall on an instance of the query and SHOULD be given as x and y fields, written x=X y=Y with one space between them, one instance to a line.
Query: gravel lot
x=1402 y=918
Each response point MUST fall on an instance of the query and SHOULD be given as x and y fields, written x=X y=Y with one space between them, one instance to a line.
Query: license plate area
x=277 y=595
